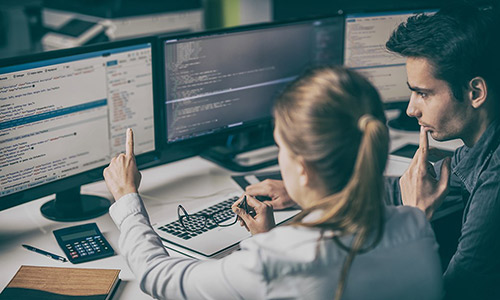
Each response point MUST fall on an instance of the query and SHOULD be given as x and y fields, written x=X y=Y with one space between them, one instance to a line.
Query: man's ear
x=477 y=92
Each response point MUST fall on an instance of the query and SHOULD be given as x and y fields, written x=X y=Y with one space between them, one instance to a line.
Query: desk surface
x=189 y=181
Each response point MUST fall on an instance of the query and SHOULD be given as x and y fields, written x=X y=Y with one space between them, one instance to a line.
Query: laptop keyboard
x=175 y=228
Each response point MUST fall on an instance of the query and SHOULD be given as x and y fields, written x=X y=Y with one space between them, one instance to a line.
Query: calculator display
x=78 y=235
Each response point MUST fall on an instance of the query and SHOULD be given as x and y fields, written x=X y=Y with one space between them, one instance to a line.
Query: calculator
x=83 y=243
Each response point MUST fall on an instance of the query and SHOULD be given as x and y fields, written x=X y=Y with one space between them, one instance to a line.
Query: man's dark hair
x=460 y=42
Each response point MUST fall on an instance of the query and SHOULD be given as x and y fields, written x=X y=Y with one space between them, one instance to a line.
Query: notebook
x=244 y=180
x=54 y=283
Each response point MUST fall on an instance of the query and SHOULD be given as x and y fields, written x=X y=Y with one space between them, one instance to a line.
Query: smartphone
x=409 y=150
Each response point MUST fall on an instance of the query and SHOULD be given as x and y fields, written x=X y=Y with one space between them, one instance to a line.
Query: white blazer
x=289 y=262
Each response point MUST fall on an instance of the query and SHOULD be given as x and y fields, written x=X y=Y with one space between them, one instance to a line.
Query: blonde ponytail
x=366 y=183
x=333 y=118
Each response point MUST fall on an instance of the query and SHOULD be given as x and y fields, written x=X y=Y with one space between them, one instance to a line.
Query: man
x=453 y=65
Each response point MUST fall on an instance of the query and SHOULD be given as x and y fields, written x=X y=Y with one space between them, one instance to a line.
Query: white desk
x=188 y=181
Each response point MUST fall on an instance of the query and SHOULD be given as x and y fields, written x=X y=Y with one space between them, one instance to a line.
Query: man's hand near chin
x=419 y=185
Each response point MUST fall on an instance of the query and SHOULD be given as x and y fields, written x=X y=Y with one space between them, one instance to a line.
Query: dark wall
x=292 y=9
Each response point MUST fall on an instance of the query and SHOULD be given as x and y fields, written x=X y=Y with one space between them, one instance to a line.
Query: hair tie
x=363 y=121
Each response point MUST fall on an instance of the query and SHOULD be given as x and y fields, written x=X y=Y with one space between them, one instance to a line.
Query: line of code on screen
x=219 y=81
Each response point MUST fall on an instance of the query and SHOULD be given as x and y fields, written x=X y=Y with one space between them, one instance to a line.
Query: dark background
x=21 y=25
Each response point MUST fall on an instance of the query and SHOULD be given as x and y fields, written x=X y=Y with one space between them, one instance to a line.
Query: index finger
x=237 y=202
x=424 y=144
x=129 y=144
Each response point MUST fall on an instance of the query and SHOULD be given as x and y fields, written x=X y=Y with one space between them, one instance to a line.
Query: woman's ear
x=302 y=171
x=306 y=175
x=477 y=92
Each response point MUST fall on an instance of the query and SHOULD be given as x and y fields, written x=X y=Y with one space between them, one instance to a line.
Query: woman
x=345 y=244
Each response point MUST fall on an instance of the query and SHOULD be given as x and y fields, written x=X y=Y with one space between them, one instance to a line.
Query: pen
x=245 y=206
x=48 y=254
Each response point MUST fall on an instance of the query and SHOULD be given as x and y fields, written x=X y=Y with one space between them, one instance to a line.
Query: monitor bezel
x=402 y=9
x=93 y=175
x=198 y=144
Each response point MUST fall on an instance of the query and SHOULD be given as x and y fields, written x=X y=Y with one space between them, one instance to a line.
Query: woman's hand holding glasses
x=257 y=217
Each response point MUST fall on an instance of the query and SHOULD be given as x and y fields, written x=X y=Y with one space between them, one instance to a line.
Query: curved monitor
x=64 y=116
x=364 y=51
x=225 y=81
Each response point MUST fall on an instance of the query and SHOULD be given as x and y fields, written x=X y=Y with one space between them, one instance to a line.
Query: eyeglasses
x=202 y=221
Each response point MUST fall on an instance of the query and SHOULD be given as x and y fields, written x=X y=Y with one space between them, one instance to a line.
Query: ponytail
x=364 y=192
x=358 y=208
x=333 y=118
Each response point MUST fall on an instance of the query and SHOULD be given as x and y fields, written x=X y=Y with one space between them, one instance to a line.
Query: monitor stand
x=71 y=206
x=404 y=122
x=239 y=161
x=246 y=151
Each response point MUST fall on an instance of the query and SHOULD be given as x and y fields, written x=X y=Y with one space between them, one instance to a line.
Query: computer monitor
x=226 y=81
x=63 y=116
x=364 y=51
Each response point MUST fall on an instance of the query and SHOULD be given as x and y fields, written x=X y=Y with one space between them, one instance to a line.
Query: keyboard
x=224 y=213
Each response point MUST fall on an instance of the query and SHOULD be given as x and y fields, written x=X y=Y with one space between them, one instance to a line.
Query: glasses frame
x=181 y=209
x=186 y=215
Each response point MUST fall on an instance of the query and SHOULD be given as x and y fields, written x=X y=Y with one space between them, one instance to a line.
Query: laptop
x=213 y=241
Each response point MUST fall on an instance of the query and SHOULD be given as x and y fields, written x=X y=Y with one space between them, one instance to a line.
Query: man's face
x=433 y=104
